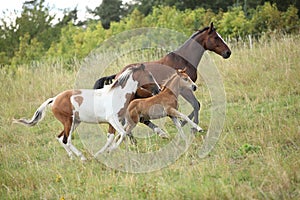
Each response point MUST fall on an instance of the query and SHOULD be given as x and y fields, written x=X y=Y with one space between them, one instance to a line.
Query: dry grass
x=257 y=156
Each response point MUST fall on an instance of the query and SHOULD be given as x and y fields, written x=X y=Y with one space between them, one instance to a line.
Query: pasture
x=257 y=156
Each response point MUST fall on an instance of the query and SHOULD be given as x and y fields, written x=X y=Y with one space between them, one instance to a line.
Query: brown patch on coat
x=79 y=100
x=63 y=111
x=123 y=110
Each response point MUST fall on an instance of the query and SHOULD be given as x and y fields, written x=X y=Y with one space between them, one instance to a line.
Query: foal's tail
x=38 y=115
x=104 y=81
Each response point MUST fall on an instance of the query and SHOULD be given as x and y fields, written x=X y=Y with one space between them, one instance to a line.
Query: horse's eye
x=216 y=37
x=185 y=79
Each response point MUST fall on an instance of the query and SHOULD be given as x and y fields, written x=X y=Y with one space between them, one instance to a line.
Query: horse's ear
x=181 y=70
x=142 y=66
x=211 y=28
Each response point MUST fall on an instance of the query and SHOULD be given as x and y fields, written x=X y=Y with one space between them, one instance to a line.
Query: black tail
x=104 y=81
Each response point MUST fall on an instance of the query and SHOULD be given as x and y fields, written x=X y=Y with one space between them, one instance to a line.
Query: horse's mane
x=199 y=31
x=122 y=78
x=166 y=81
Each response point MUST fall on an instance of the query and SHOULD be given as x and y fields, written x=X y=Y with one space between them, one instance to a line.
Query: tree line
x=36 y=34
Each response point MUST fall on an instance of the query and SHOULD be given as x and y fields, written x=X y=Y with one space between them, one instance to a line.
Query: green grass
x=257 y=156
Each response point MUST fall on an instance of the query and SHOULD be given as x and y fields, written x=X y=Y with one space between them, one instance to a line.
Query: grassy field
x=257 y=156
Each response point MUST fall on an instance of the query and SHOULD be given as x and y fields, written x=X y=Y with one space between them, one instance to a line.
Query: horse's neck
x=127 y=89
x=191 y=51
x=173 y=86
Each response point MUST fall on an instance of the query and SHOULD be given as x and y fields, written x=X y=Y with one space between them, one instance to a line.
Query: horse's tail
x=38 y=115
x=104 y=81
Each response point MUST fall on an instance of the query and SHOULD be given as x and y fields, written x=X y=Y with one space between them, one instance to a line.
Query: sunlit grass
x=257 y=156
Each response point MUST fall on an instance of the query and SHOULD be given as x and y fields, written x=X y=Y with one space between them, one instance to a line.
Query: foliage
x=34 y=30
x=109 y=11
x=234 y=24
x=28 y=50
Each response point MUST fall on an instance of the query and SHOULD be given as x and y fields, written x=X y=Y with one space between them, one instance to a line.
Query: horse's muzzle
x=194 y=87
x=226 y=54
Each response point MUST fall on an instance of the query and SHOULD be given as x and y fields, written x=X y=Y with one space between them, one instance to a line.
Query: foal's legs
x=156 y=129
x=175 y=113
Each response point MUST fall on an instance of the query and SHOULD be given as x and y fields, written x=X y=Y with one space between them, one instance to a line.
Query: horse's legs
x=110 y=139
x=68 y=150
x=69 y=143
x=121 y=132
x=156 y=129
x=65 y=136
x=178 y=126
x=190 y=97
x=130 y=124
x=175 y=113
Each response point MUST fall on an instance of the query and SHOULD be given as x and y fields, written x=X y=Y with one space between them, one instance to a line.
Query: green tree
x=291 y=20
x=234 y=23
x=36 y=21
x=29 y=50
x=266 y=18
x=36 y=26
x=109 y=11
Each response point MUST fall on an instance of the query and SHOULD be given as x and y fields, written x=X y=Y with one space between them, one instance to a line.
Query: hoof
x=183 y=122
x=161 y=133
x=199 y=129
x=164 y=136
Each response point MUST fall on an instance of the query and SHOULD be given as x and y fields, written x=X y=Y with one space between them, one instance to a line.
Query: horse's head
x=210 y=39
x=185 y=81
x=145 y=79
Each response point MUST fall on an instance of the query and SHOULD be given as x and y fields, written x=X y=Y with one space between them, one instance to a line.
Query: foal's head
x=185 y=81
x=211 y=40
x=145 y=79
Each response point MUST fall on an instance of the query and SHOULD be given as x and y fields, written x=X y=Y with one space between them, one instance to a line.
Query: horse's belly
x=156 y=111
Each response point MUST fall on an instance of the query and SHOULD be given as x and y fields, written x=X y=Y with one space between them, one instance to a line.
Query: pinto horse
x=186 y=56
x=107 y=105
x=161 y=105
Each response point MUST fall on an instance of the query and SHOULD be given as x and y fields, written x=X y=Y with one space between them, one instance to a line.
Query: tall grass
x=257 y=156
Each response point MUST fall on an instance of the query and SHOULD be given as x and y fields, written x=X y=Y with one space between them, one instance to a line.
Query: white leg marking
x=109 y=141
x=161 y=133
x=198 y=128
x=68 y=150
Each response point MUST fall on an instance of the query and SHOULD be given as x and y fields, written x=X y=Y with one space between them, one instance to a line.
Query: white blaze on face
x=221 y=37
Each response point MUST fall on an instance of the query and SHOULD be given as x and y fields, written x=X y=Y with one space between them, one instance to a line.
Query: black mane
x=199 y=31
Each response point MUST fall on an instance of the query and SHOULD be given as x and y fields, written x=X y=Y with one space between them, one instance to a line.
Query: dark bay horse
x=186 y=56
x=107 y=105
